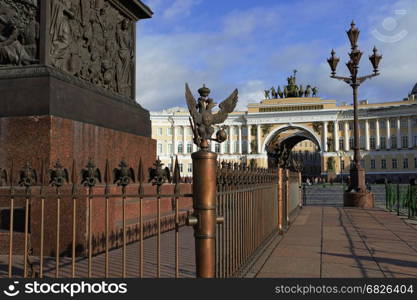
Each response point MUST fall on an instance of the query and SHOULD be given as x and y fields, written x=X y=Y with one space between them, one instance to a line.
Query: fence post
x=398 y=199
x=287 y=196
x=280 y=198
x=204 y=217
x=300 y=182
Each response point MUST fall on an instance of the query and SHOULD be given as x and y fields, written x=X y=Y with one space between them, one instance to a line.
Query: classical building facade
x=388 y=135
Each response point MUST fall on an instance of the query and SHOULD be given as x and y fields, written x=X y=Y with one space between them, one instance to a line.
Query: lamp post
x=357 y=172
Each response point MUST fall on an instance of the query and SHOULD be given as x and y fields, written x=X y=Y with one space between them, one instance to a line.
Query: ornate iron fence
x=119 y=222
x=55 y=223
x=247 y=198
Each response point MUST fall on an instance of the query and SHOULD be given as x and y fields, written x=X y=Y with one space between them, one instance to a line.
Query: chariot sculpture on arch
x=202 y=117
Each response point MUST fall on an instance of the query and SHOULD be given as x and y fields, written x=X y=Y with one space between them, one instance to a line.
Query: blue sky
x=253 y=45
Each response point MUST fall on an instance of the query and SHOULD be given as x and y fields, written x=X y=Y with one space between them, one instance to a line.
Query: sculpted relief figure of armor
x=19 y=32
x=91 y=40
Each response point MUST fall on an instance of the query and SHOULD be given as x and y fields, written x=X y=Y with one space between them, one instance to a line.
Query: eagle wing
x=66 y=175
x=97 y=174
x=3 y=176
x=226 y=107
x=116 y=175
x=132 y=174
x=192 y=105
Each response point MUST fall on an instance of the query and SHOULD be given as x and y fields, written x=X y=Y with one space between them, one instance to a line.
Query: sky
x=254 y=45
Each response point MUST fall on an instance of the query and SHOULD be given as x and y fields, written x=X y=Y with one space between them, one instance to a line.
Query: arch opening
x=297 y=145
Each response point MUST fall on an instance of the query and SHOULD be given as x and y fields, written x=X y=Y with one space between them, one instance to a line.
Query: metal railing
x=247 y=198
x=116 y=225
x=401 y=198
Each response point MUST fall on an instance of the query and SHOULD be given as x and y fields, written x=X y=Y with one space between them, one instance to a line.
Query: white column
x=346 y=136
x=184 y=139
x=230 y=139
x=367 y=144
x=336 y=136
x=398 y=133
x=221 y=146
x=410 y=133
x=240 y=138
x=174 y=139
x=249 y=139
x=325 y=124
x=388 y=139
x=378 y=143
x=258 y=138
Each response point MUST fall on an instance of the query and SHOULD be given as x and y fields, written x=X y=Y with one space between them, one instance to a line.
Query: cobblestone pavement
x=344 y=242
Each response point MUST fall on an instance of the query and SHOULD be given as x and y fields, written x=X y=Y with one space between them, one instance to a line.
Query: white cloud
x=244 y=23
x=180 y=8
x=225 y=59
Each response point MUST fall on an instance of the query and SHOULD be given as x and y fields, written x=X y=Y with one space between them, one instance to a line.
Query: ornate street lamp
x=357 y=172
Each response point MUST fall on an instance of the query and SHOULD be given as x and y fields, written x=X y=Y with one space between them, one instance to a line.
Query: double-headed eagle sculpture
x=202 y=118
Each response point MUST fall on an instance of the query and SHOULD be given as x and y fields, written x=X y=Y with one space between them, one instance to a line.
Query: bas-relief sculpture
x=19 y=32
x=92 y=40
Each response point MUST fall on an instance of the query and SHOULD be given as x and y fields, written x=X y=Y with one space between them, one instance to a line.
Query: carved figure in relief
x=124 y=68
x=19 y=33
x=60 y=32
x=92 y=40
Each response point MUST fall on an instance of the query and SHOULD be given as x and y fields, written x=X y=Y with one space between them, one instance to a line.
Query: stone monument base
x=358 y=199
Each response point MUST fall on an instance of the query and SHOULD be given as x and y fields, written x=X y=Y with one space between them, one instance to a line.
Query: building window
x=170 y=149
x=362 y=142
x=393 y=141
x=404 y=123
x=415 y=122
x=372 y=124
x=415 y=141
x=372 y=142
x=383 y=163
x=393 y=123
x=181 y=167
x=382 y=124
x=189 y=148
x=350 y=125
x=226 y=147
x=190 y=168
x=404 y=141
x=372 y=163
x=236 y=147
x=169 y=131
x=189 y=131
x=394 y=163
x=351 y=142
x=159 y=148
x=159 y=131
x=383 y=142
x=405 y=163
x=415 y=162
x=245 y=147
x=217 y=148
x=180 y=131
x=340 y=126
x=351 y=164
x=341 y=143
x=362 y=162
x=180 y=148
x=342 y=165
